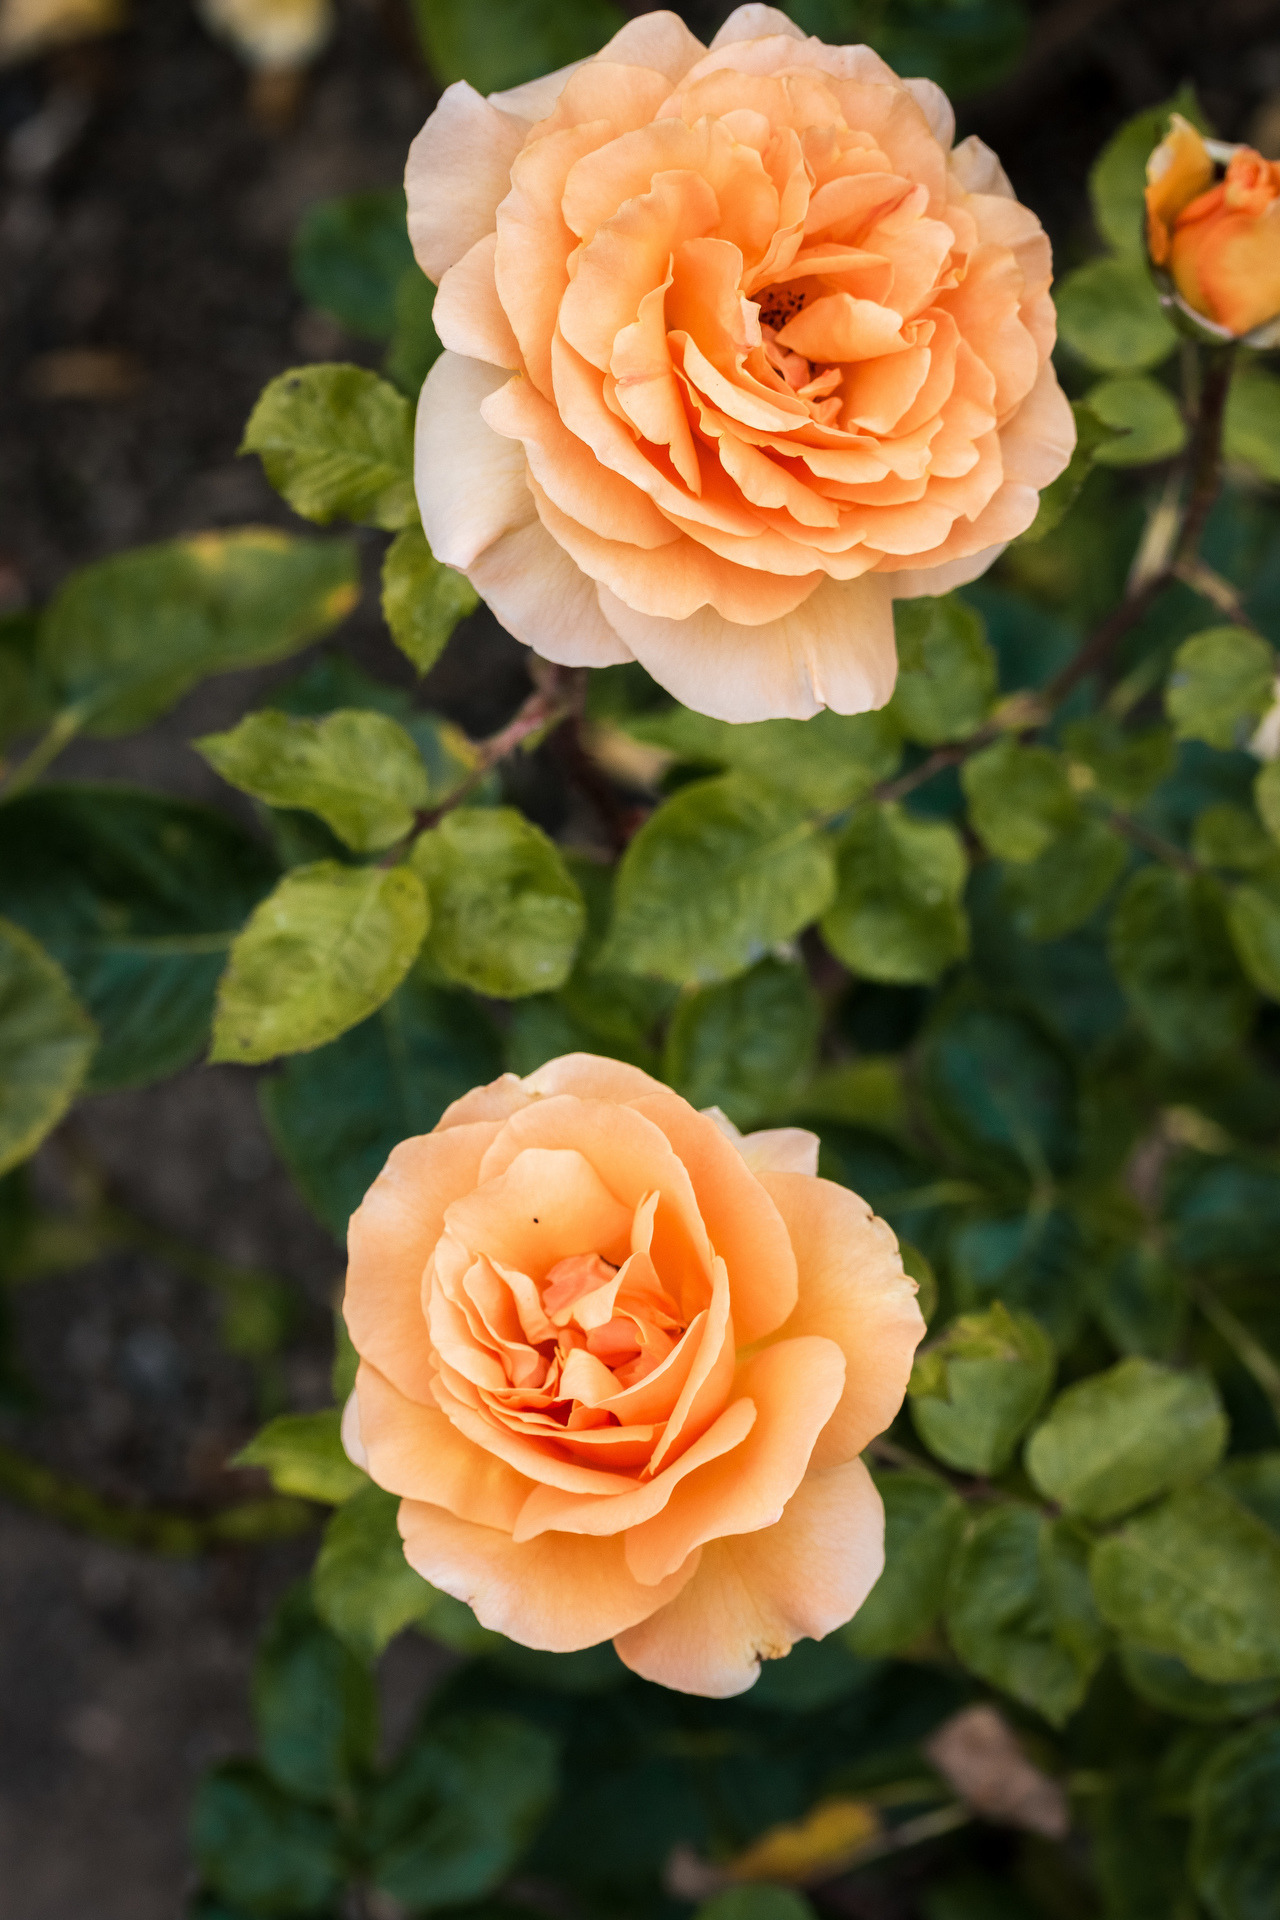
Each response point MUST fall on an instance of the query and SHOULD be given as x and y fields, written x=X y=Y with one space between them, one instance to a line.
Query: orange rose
x=1220 y=244
x=620 y=1362
x=740 y=347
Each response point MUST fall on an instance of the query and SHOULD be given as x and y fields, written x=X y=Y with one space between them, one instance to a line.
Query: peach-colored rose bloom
x=739 y=348
x=1220 y=244
x=620 y=1363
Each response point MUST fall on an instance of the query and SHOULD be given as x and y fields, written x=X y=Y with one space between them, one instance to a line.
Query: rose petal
x=471 y=483
x=559 y=1593
x=756 y=1594
x=459 y=168
x=852 y=1290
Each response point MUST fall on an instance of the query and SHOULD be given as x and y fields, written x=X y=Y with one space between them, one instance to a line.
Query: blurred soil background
x=145 y=221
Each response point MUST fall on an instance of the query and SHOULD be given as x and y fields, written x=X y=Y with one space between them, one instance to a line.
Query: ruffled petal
x=535 y=591
x=755 y=1595
x=560 y=1592
x=852 y=1290
x=459 y=168
x=836 y=649
x=471 y=482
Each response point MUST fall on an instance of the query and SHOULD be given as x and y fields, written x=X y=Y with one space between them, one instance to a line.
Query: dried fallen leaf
x=978 y=1754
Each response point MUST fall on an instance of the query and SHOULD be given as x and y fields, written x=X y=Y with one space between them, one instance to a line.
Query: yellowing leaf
x=828 y=1838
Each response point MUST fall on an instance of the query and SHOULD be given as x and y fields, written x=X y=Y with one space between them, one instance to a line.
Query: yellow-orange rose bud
x=1220 y=243
x=740 y=347
x=620 y=1364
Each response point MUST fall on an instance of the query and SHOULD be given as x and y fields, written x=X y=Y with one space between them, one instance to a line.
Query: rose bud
x=740 y=348
x=620 y=1362
x=1217 y=240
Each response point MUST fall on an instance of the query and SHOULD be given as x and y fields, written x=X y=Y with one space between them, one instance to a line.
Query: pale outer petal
x=559 y=1593
x=390 y=1240
x=773 y=1149
x=974 y=167
x=592 y=1077
x=853 y=1290
x=756 y=1594
x=936 y=108
x=467 y=314
x=756 y=23
x=458 y=169
x=910 y=583
x=659 y=40
x=498 y=1101
x=541 y=596
x=470 y=482
x=836 y=649
x=352 y=1444
x=535 y=100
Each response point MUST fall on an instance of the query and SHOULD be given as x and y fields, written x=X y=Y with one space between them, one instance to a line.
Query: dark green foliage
x=139 y=897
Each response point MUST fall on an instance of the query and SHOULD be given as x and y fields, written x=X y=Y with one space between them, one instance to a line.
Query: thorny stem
x=1205 y=458
x=558 y=697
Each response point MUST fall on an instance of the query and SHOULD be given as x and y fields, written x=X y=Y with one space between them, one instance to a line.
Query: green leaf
x=1020 y=798
x=1196 y=1576
x=365 y=1590
x=1166 y=1682
x=897 y=915
x=1235 y=1839
x=1266 y=797
x=1144 y=415
x=260 y=1849
x=422 y=600
x=1252 y=428
x=350 y=255
x=1254 y=1479
x=1140 y=1301
x=139 y=898
x=304 y=1455
x=359 y=771
x=1018 y=1612
x=506 y=914
x=46 y=1043
x=509 y=41
x=1058 y=498
x=1118 y=177
x=337 y=442
x=756 y=1903
x=724 y=870
x=745 y=1046
x=123 y=639
x=1033 y=1260
x=1126 y=767
x=1109 y=313
x=315 y=1704
x=946 y=670
x=826 y=763
x=1139 y=1851
x=321 y=953
x=1172 y=955
x=1231 y=837
x=1066 y=884
x=1002 y=1090
x=459 y=1808
x=1114 y=1441
x=26 y=700
x=335 y=1114
x=976 y=1389
x=1220 y=686
x=1253 y=916
x=923 y=1523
